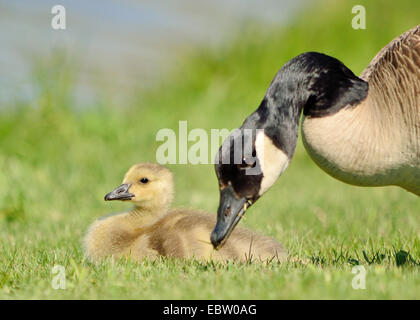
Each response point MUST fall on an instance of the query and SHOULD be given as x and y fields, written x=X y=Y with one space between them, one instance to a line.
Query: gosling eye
x=144 y=180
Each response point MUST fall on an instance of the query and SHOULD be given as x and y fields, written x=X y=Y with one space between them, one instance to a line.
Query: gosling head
x=147 y=185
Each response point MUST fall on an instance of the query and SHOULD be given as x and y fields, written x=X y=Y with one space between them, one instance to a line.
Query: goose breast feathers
x=378 y=141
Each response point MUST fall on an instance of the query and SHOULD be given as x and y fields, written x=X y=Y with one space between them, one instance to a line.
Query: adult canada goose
x=151 y=230
x=363 y=131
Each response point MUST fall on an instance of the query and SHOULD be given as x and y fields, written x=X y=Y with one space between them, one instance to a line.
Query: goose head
x=245 y=171
x=146 y=185
x=252 y=158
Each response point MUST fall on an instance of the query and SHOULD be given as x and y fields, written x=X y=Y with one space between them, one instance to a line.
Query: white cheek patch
x=273 y=161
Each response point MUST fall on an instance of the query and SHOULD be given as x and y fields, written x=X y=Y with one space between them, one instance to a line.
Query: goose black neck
x=313 y=82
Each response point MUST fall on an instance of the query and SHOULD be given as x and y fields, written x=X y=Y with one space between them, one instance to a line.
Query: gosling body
x=150 y=230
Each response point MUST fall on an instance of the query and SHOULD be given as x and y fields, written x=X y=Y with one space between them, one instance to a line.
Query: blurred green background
x=58 y=159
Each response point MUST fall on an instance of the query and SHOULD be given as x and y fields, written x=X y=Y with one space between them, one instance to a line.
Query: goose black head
x=247 y=164
x=313 y=82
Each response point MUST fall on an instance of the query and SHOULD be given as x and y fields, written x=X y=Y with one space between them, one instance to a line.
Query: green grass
x=56 y=164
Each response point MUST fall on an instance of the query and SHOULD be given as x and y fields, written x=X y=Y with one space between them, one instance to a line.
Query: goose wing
x=394 y=77
x=394 y=89
x=394 y=74
x=399 y=59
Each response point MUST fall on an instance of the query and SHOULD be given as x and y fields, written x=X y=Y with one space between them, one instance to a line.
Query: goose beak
x=120 y=193
x=231 y=209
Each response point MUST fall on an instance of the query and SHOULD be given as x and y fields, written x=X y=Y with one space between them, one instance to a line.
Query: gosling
x=150 y=230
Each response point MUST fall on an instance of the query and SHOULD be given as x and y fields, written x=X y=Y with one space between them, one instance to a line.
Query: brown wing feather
x=394 y=90
x=403 y=51
x=394 y=76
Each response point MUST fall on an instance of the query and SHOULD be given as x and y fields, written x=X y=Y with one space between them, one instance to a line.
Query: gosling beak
x=120 y=193
x=231 y=209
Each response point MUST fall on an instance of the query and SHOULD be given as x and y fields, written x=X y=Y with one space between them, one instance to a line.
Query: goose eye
x=144 y=180
x=247 y=164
